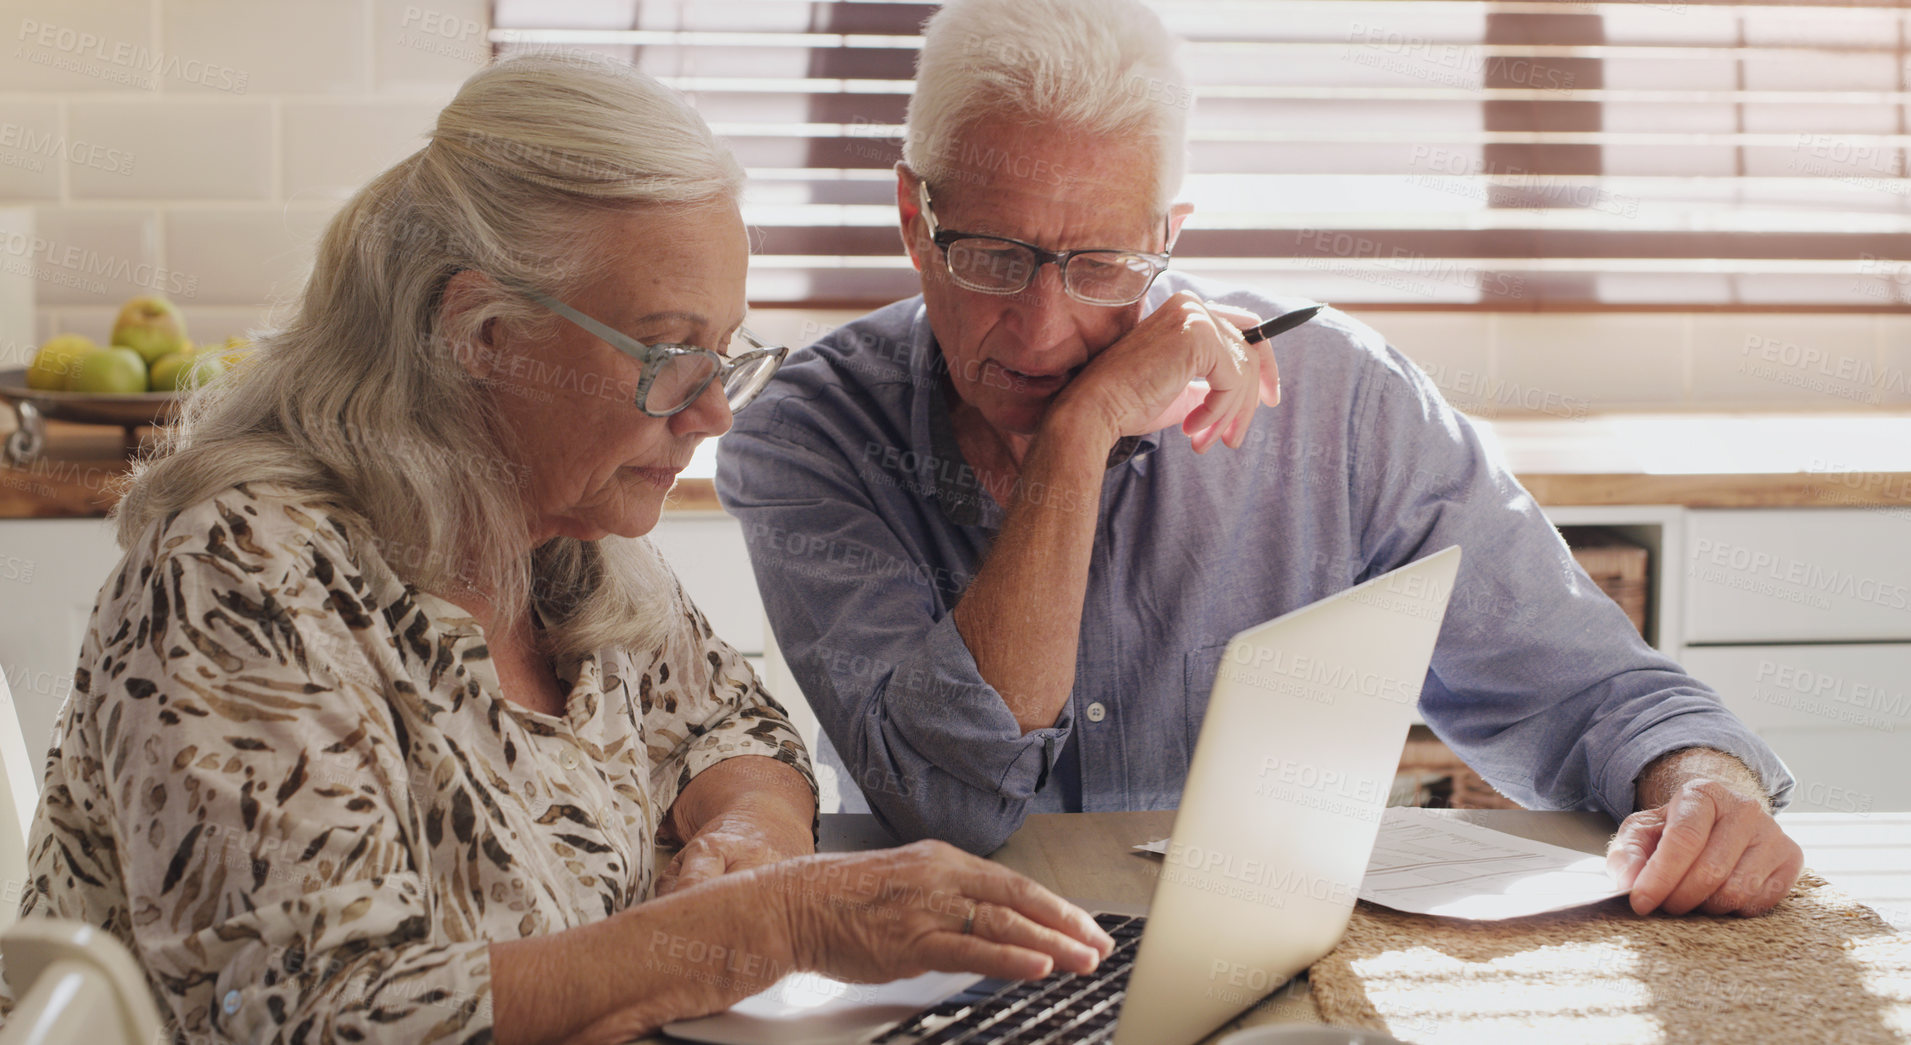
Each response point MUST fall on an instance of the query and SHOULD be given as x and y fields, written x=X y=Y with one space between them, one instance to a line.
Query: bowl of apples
x=139 y=377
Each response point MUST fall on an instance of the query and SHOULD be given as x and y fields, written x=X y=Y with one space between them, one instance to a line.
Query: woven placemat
x=1819 y=968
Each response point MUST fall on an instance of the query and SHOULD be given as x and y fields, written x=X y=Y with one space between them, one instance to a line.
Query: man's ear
x=479 y=354
x=908 y=211
x=1177 y=214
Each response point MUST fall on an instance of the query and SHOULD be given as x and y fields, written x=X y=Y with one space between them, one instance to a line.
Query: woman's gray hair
x=1098 y=67
x=360 y=401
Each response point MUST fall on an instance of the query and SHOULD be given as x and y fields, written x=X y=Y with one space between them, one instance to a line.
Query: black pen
x=1281 y=324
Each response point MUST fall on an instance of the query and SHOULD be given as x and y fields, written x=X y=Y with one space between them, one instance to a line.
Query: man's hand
x=1140 y=383
x=1705 y=840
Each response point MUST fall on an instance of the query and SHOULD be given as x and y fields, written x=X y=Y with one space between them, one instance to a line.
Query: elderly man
x=1004 y=575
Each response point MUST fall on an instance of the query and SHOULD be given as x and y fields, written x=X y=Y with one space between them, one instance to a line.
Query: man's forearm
x=1664 y=775
x=1022 y=614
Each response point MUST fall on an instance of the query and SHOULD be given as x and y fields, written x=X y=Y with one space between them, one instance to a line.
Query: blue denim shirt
x=865 y=526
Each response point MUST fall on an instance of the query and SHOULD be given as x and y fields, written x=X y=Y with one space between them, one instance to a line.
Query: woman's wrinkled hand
x=895 y=913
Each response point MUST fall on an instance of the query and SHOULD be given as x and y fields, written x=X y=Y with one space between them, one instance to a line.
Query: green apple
x=74 y=361
x=116 y=371
x=182 y=371
x=54 y=363
x=151 y=326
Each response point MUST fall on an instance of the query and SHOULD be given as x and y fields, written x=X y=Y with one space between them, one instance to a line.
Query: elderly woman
x=380 y=722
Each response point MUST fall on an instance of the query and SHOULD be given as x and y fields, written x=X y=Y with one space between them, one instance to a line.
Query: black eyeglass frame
x=648 y=355
x=946 y=238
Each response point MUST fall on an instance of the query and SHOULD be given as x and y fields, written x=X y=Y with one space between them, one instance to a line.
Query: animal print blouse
x=289 y=782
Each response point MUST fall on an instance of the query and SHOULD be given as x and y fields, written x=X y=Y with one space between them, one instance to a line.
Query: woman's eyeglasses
x=675 y=375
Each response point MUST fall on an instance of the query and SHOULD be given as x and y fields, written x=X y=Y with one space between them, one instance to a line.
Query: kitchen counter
x=1690 y=460
x=1711 y=460
x=76 y=476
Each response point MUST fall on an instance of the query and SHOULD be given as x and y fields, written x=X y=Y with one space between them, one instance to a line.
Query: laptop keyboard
x=1065 y=1007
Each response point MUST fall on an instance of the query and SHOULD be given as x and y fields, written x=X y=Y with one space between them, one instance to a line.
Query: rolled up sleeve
x=863 y=619
x=1539 y=680
x=1683 y=718
x=936 y=701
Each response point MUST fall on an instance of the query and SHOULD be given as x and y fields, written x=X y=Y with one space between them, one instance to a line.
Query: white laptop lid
x=1328 y=688
x=1296 y=757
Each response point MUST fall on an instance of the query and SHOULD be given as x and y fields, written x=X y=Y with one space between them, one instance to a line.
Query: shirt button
x=569 y=760
x=1096 y=712
x=230 y=1003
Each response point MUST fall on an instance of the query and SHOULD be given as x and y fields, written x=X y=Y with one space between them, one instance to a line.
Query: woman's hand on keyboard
x=895 y=913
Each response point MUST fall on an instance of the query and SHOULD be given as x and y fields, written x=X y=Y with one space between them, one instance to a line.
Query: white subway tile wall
x=419 y=47
x=86 y=256
x=257 y=254
x=382 y=133
x=27 y=173
x=1894 y=361
x=165 y=147
x=18 y=335
x=196 y=148
x=100 y=46
x=274 y=47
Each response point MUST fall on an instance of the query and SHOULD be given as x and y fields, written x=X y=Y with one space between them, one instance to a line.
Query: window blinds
x=1449 y=154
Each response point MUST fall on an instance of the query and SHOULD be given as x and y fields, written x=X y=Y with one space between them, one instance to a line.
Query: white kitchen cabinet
x=1797 y=575
x=1838 y=714
x=1801 y=619
x=707 y=551
x=50 y=576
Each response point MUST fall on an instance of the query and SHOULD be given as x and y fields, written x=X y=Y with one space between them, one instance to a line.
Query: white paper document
x=1425 y=862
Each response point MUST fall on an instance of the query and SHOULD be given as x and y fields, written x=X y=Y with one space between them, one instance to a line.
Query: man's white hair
x=1094 y=67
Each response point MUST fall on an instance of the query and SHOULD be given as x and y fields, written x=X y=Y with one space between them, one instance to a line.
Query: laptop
x=1290 y=774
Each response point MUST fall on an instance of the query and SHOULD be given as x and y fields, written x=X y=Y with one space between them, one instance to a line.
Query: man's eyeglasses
x=675 y=375
x=999 y=265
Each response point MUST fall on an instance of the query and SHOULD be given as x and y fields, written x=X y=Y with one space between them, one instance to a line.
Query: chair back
x=19 y=794
x=74 y=984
